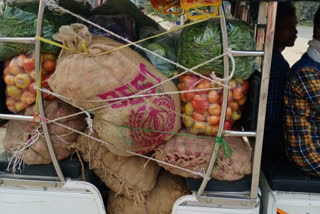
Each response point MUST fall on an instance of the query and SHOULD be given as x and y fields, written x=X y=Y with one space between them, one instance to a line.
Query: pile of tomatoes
x=201 y=110
x=19 y=76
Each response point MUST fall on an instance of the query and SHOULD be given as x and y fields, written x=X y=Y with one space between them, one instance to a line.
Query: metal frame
x=40 y=102
x=268 y=17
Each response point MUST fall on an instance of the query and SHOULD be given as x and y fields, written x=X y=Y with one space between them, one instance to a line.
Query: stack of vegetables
x=148 y=125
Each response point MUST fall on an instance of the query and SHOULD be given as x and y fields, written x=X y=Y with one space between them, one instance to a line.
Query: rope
x=227 y=150
x=200 y=173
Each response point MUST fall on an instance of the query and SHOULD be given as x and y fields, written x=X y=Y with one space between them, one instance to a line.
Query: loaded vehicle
x=108 y=112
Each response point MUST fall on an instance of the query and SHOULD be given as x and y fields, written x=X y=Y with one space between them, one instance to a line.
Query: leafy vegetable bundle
x=15 y=22
x=19 y=19
x=203 y=41
x=165 y=46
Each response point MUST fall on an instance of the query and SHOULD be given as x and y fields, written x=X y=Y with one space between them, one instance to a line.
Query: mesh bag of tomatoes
x=201 y=110
x=19 y=76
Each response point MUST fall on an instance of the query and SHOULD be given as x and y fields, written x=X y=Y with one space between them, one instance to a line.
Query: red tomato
x=203 y=85
x=200 y=103
x=227 y=125
x=215 y=109
x=234 y=105
x=213 y=120
x=198 y=117
x=28 y=64
x=49 y=65
x=45 y=83
x=188 y=96
x=213 y=96
x=31 y=88
x=245 y=87
x=228 y=113
x=44 y=95
x=237 y=93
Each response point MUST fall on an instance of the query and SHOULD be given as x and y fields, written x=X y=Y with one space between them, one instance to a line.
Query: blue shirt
x=273 y=132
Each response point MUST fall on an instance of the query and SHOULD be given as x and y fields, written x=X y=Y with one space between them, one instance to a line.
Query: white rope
x=127 y=97
x=18 y=151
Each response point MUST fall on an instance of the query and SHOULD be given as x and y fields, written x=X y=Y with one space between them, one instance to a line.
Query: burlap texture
x=132 y=177
x=18 y=133
x=195 y=154
x=120 y=73
x=168 y=189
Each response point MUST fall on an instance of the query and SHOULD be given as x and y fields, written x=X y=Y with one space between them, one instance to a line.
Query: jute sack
x=195 y=154
x=168 y=189
x=120 y=73
x=28 y=139
x=133 y=177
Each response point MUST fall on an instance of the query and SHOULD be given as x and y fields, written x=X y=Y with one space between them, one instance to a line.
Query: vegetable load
x=202 y=109
x=194 y=154
x=19 y=76
x=203 y=41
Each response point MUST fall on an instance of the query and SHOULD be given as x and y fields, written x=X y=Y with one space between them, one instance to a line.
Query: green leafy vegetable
x=202 y=42
x=165 y=46
x=18 y=23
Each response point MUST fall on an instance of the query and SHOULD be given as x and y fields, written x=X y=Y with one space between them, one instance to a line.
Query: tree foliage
x=305 y=12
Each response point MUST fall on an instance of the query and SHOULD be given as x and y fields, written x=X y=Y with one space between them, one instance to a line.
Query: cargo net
x=140 y=116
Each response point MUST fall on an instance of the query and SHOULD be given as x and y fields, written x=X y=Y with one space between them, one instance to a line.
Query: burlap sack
x=133 y=177
x=195 y=154
x=120 y=73
x=168 y=189
x=19 y=133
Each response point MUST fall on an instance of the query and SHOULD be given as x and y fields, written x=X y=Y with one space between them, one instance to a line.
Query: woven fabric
x=302 y=115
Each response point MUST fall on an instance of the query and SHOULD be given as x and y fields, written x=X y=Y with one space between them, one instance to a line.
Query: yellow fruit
x=14 y=67
x=188 y=109
x=214 y=130
x=20 y=106
x=14 y=91
x=208 y=129
x=28 y=97
x=9 y=79
x=194 y=131
x=232 y=84
x=23 y=80
x=199 y=126
x=187 y=121
x=235 y=115
x=33 y=75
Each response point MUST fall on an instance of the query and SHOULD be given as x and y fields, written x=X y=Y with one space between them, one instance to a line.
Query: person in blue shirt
x=285 y=36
